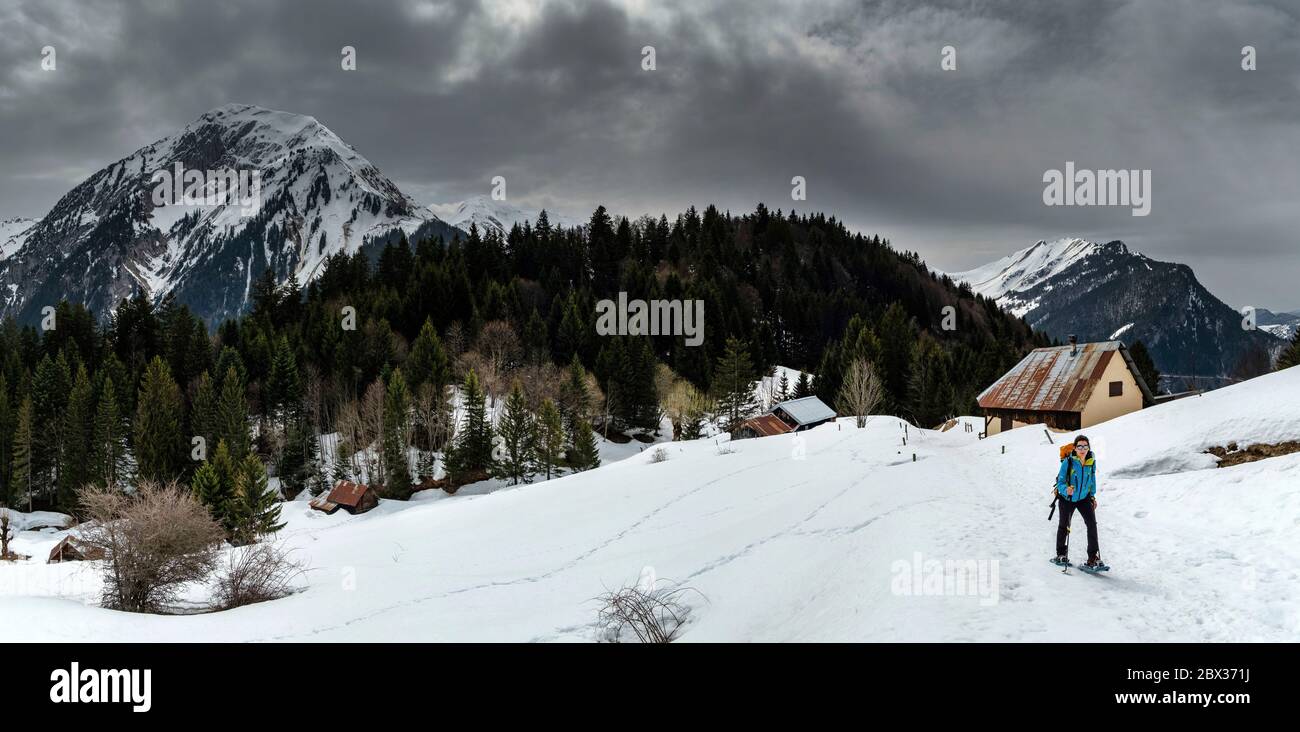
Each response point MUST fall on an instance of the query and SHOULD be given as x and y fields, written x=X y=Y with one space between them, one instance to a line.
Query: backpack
x=1066 y=449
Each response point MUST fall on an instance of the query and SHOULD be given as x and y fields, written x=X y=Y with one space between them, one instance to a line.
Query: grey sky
x=747 y=94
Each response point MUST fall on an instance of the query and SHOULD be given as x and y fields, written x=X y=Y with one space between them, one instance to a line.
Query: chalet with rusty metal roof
x=1066 y=388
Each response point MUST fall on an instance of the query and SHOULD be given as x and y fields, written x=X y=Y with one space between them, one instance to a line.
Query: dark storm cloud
x=746 y=95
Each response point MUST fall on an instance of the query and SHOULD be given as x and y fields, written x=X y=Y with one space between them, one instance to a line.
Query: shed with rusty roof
x=1066 y=388
x=351 y=497
x=764 y=425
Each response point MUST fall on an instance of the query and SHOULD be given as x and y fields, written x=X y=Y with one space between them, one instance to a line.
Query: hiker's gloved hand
x=1069 y=491
x=1094 y=502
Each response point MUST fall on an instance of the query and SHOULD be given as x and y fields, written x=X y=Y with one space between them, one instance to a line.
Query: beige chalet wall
x=1101 y=405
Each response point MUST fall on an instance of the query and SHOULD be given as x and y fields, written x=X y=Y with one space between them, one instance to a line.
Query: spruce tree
x=258 y=506
x=427 y=362
x=223 y=497
x=640 y=400
x=1146 y=366
x=802 y=388
x=23 y=470
x=49 y=394
x=550 y=438
x=518 y=436
x=575 y=397
x=930 y=394
x=473 y=447
x=206 y=486
x=296 y=463
x=160 y=448
x=397 y=437
x=7 y=418
x=232 y=415
x=75 y=468
x=203 y=411
x=733 y=384
x=109 y=451
x=584 y=455
x=896 y=343
x=283 y=387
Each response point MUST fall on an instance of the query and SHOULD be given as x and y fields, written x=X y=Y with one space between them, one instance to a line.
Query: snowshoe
x=1094 y=566
x=1061 y=561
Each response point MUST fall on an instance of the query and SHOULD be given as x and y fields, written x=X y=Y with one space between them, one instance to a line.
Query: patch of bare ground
x=1232 y=454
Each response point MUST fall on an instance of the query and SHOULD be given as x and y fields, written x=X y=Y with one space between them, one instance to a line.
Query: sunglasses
x=1084 y=445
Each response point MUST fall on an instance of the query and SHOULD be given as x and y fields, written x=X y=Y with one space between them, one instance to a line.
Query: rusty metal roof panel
x=1052 y=379
x=767 y=425
x=347 y=493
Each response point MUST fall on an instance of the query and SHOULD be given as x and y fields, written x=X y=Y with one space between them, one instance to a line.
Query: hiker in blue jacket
x=1076 y=488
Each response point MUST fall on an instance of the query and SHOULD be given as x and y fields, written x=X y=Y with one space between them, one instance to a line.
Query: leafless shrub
x=645 y=613
x=255 y=573
x=862 y=392
x=659 y=455
x=153 y=542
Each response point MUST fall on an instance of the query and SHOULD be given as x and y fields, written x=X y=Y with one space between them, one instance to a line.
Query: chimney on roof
x=1074 y=344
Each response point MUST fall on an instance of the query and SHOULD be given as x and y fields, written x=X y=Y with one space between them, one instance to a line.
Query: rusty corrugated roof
x=1056 y=380
x=767 y=425
x=347 y=493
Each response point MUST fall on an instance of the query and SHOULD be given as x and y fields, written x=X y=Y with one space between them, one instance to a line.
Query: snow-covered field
x=833 y=534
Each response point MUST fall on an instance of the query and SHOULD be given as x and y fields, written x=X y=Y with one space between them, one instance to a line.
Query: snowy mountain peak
x=312 y=195
x=1027 y=267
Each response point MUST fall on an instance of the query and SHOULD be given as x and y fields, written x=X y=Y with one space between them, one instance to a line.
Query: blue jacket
x=1083 y=476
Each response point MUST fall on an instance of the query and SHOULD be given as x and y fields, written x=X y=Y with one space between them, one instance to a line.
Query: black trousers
x=1065 y=510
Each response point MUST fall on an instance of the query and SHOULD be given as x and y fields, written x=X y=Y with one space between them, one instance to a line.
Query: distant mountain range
x=498 y=216
x=1282 y=325
x=1106 y=291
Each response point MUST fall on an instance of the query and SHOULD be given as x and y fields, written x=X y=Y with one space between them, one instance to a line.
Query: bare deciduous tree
x=686 y=407
x=372 y=432
x=6 y=532
x=153 y=542
x=861 y=392
x=348 y=425
x=540 y=382
x=499 y=345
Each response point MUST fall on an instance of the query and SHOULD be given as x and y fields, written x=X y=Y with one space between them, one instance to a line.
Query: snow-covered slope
x=1105 y=291
x=108 y=238
x=491 y=215
x=13 y=232
x=836 y=534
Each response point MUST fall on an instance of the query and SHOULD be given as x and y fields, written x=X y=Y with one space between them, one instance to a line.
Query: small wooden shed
x=351 y=497
x=68 y=550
